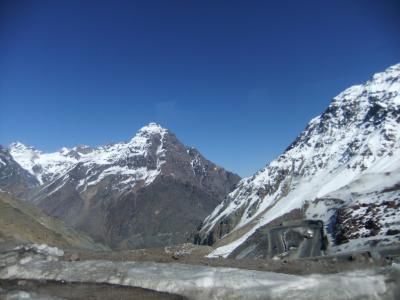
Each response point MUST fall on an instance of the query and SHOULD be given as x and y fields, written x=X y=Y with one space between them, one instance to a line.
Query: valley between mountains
x=156 y=214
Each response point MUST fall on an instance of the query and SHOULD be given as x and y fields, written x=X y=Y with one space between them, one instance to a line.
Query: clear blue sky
x=238 y=80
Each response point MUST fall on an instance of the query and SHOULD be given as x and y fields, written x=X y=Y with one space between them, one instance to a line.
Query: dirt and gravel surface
x=194 y=255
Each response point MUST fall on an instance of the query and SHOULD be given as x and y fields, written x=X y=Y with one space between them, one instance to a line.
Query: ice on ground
x=203 y=282
x=22 y=295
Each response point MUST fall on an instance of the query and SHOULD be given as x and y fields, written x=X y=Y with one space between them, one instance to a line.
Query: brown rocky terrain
x=22 y=222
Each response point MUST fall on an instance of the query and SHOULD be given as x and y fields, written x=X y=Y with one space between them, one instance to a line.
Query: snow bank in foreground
x=22 y=295
x=41 y=249
x=201 y=282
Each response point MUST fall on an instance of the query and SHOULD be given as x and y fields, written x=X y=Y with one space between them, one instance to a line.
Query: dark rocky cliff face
x=163 y=213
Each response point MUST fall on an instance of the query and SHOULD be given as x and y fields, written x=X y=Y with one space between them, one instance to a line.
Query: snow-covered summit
x=152 y=128
x=139 y=160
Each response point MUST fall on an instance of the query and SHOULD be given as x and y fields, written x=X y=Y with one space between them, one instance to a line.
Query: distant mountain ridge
x=149 y=191
x=48 y=166
x=322 y=176
x=45 y=167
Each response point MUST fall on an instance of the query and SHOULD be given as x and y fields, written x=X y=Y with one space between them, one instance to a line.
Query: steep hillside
x=355 y=140
x=22 y=222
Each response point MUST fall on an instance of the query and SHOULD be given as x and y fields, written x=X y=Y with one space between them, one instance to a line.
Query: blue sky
x=238 y=80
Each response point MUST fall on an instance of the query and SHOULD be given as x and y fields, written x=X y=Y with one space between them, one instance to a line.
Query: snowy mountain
x=43 y=166
x=149 y=191
x=14 y=178
x=342 y=169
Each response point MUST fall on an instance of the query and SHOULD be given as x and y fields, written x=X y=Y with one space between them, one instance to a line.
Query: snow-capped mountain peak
x=113 y=191
x=147 y=137
x=138 y=161
x=24 y=155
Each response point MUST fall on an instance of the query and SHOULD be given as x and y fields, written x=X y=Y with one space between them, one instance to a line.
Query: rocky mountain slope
x=342 y=169
x=150 y=191
x=22 y=222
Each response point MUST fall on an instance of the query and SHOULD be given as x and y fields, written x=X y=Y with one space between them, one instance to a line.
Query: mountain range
x=147 y=192
x=336 y=187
